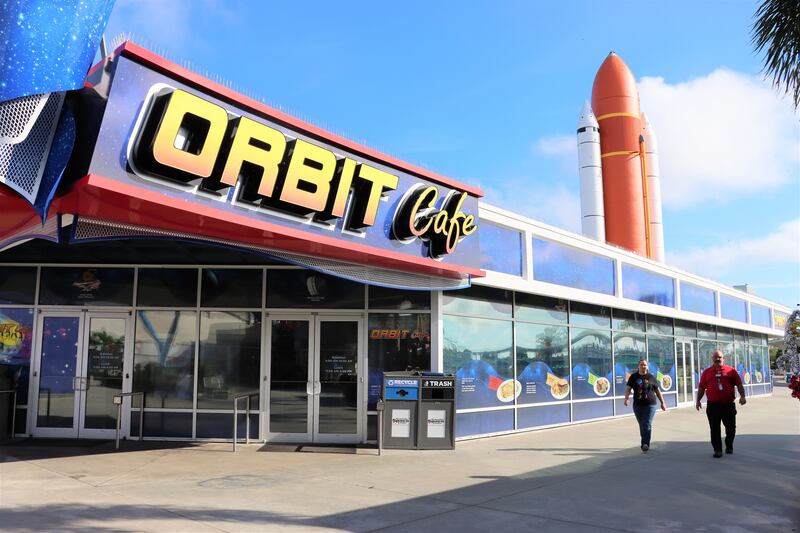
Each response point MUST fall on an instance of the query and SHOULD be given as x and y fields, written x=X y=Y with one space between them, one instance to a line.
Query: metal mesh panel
x=22 y=163
x=18 y=116
x=90 y=229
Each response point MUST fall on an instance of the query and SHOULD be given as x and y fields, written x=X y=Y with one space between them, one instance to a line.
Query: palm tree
x=776 y=31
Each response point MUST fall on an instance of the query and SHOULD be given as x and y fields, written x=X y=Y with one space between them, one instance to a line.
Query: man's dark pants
x=725 y=413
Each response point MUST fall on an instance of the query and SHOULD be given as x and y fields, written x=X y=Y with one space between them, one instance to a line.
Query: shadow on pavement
x=33 y=449
x=676 y=487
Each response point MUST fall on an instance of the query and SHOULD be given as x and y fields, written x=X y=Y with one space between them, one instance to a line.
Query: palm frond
x=776 y=33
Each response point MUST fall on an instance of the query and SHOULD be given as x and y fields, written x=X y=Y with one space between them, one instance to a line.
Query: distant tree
x=776 y=32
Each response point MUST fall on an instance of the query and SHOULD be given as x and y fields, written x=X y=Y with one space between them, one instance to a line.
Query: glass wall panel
x=705 y=350
x=759 y=315
x=86 y=286
x=591 y=316
x=570 y=267
x=724 y=334
x=306 y=289
x=706 y=331
x=163 y=358
x=479 y=352
x=645 y=286
x=167 y=287
x=231 y=287
x=501 y=249
x=17 y=285
x=540 y=308
x=542 y=363
x=756 y=365
x=484 y=301
x=742 y=361
x=685 y=329
x=57 y=370
x=627 y=321
x=660 y=325
x=396 y=342
x=732 y=308
x=661 y=361
x=230 y=358
x=698 y=300
x=591 y=363
x=16 y=334
x=385 y=298
x=629 y=348
x=484 y=423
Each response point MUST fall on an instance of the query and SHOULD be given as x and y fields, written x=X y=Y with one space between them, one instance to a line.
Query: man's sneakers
x=717 y=454
x=645 y=447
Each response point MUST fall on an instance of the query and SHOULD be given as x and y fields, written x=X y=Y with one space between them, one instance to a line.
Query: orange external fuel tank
x=615 y=101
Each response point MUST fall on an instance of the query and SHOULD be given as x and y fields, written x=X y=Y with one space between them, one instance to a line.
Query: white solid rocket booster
x=593 y=223
x=653 y=190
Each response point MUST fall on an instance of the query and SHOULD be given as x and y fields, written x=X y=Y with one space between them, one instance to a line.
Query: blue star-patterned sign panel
x=48 y=45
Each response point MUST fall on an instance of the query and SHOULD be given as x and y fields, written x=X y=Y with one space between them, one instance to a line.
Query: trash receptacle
x=401 y=398
x=436 y=426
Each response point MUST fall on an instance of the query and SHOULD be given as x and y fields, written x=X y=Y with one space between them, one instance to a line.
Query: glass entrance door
x=685 y=371
x=315 y=379
x=81 y=361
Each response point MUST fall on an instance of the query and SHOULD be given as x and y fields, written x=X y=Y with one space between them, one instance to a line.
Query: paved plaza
x=590 y=477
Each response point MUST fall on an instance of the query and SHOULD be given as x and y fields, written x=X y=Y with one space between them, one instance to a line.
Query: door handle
x=317 y=387
x=309 y=388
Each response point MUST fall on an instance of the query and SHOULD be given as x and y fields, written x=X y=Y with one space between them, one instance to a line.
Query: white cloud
x=557 y=206
x=777 y=248
x=559 y=146
x=721 y=135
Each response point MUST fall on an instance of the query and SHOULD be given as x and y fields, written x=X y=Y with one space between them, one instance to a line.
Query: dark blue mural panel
x=644 y=286
x=570 y=267
x=698 y=300
x=501 y=249
x=589 y=410
x=544 y=415
x=482 y=423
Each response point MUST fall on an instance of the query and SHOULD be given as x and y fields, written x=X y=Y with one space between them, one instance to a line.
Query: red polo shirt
x=720 y=384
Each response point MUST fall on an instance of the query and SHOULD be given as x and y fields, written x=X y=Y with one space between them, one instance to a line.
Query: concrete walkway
x=590 y=477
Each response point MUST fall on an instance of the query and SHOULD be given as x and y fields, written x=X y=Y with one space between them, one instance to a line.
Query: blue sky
x=489 y=93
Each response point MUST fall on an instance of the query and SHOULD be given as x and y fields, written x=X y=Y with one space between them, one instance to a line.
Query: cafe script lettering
x=184 y=139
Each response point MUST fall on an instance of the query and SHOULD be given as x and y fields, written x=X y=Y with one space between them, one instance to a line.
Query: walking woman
x=645 y=391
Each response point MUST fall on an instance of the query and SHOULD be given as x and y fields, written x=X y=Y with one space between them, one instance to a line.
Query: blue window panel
x=544 y=415
x=698 y=300
x=644 y=286
x=468 y=424
x=733 y=308
x=563 y=265
x=589 y=410
x=759 y=315
x=501 y=249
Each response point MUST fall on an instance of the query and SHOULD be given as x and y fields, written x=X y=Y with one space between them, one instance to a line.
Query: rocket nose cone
x=587 y=118
x=613 y=80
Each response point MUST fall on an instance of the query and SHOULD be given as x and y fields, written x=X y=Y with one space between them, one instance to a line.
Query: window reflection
x=733 y=308
x=661 y=360
x=644 y=286
x=591 y=363
x=542 y=363
x=698 y=299
x=230 y=358
x=501 y=249
x=163 y=357
x=629 y=348
x=759 y=315
x=563 y=265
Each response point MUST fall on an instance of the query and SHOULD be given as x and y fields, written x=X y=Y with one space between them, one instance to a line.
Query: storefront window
x=17 y=285
x=644 y=286
x=733 y=308
x=629 y=348
x=661 y=361
x=16 y=330
x=306 y=289
x=698 y=300
x=591 y=363
x=704 y=352
x=86 y=286
x=479 y=352
x=501 y=249
x=230 y=358
x=592 y=316
x=627 y=321
x=570 y=267
x=167 y=287
x=742 y=362
x=540 y=309
x=660 y=325
x=685 y=329
x=483 y=301
x=231 y=287
x=542 y=363
x=396 y=342
x=706 y=331
x=725 y=334
x=163 y=358
x=385 y=298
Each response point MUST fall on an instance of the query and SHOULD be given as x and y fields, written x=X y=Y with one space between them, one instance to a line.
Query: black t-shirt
x=643 y=388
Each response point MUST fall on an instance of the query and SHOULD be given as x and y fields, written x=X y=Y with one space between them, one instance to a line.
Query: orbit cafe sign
x=191 y=143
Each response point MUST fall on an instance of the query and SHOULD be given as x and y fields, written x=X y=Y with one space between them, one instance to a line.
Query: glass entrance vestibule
x=192 y=339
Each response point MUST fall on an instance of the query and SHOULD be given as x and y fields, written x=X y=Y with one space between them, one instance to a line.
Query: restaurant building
x=200 y=246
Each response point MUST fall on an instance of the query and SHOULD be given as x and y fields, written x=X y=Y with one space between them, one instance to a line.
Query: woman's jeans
x=644 y=415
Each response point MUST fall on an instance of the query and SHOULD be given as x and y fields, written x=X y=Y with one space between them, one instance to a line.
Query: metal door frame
x=688 y=371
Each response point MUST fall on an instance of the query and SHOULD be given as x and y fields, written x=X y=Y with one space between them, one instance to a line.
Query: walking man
x=718 y=382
